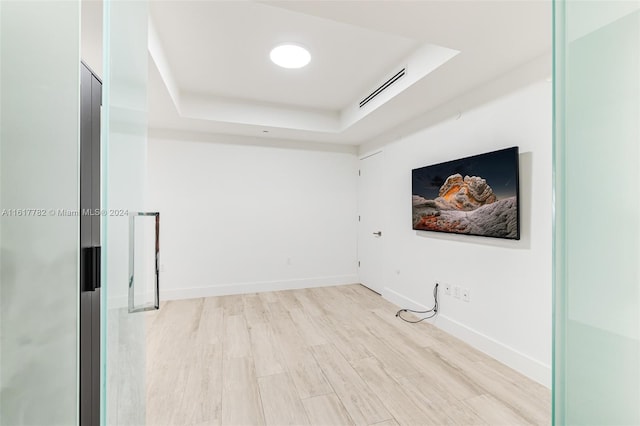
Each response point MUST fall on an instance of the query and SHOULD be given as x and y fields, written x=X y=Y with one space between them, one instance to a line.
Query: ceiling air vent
x=383 y=87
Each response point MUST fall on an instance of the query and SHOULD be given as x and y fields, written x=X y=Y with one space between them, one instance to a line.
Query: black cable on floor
x=434 y=309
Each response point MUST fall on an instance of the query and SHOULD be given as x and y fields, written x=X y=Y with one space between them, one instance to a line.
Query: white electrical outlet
x=456 y=291
x=466 y=295
x=447 y=289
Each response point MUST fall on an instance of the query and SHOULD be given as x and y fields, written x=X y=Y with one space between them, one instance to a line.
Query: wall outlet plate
x=447 y=289
x=456 y=291
x=466 y=295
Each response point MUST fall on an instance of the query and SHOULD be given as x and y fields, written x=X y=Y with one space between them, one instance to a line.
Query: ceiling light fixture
x=290 y=56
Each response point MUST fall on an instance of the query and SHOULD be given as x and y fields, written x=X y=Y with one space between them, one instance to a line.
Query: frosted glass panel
x=597 y=76
x=124 y=179
x=39 y=182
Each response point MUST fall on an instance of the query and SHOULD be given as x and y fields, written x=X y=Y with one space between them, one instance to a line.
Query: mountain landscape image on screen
x=456 y=197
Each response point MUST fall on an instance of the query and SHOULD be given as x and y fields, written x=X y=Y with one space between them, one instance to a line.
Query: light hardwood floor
x=322 y=356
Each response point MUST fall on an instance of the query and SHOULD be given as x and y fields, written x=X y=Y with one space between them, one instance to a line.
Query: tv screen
x=474 y=195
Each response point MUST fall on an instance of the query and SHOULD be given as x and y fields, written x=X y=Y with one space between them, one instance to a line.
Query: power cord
x=434 y=309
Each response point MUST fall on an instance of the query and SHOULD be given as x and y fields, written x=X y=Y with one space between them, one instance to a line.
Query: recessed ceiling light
x=290 y=56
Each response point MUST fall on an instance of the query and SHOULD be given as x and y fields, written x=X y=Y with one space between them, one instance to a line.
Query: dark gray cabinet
x=91 y=101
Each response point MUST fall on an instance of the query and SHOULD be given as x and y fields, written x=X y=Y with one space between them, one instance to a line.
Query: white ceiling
x=222 y=49
x=493 y=37
x=215 y=74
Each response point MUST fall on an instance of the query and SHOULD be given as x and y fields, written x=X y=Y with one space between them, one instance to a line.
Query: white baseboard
x=122 y=301
x=255 y=287
x=509 y=356
x=402 y=301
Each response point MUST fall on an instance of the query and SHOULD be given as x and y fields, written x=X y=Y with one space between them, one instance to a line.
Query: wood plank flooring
x=322 y=356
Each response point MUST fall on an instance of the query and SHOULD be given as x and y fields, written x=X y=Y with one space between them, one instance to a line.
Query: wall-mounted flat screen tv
x=475 y=195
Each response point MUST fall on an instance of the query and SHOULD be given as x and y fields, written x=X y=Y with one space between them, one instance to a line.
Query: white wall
x=509 y=315
x=239 y=218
